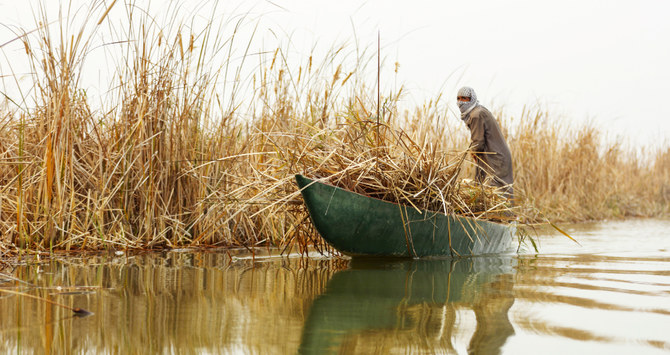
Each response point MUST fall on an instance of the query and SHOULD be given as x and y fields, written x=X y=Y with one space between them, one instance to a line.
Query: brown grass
x=574 y=174
x=178 y=160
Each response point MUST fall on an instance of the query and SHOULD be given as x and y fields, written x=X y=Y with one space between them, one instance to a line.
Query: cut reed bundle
x=386 y=163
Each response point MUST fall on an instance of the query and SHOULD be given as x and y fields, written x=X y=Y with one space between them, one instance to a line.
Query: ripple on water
x=614 y=302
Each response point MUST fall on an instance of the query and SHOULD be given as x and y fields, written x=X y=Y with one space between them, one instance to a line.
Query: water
x=610 y=295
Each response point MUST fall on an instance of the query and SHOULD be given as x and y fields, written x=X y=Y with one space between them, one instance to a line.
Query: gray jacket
x=494 y=158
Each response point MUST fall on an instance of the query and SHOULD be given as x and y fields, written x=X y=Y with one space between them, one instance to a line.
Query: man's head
x=467 y=99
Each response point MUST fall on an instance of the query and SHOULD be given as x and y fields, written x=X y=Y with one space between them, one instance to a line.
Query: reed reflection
x=172 y=303
x=379 y=306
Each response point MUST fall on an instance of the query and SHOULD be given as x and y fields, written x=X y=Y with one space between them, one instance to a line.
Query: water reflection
x=215 y=303
x=609 y=296
x=161 y=303
x=411 y=306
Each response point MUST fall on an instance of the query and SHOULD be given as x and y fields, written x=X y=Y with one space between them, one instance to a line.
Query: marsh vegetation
x=184 y=148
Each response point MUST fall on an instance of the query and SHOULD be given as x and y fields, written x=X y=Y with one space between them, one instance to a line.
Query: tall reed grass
x=575 y=174
x=185 y=151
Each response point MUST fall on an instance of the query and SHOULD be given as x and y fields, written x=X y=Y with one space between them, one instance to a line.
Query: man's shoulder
x=481 y=112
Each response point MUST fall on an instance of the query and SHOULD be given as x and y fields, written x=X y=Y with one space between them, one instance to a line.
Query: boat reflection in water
x=389 y=306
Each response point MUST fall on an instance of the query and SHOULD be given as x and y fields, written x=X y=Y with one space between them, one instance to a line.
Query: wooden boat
x=358 y=225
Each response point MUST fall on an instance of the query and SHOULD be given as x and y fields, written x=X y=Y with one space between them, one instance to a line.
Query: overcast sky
x=607 y=61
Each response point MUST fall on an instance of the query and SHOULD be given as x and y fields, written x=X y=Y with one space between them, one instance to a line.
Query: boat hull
x=358 y=225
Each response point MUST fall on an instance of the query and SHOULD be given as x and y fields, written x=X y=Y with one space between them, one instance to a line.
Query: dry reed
x=176 y=160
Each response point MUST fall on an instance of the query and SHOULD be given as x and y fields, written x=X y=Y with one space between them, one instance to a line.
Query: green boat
x=359 y=225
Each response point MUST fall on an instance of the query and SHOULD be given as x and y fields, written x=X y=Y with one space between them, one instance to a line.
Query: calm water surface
x=611 y=295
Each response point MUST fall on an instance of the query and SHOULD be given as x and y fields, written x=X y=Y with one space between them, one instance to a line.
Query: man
x=488 y=145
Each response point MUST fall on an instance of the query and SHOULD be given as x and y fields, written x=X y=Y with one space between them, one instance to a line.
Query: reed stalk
x=76 y=310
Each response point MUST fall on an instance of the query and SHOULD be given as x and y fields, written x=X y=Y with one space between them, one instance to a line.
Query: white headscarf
x=467 y=106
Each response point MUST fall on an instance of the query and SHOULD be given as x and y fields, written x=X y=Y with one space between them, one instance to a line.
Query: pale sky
x=604 y=61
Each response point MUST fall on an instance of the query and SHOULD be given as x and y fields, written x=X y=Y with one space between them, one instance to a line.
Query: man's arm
x=477 y=134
